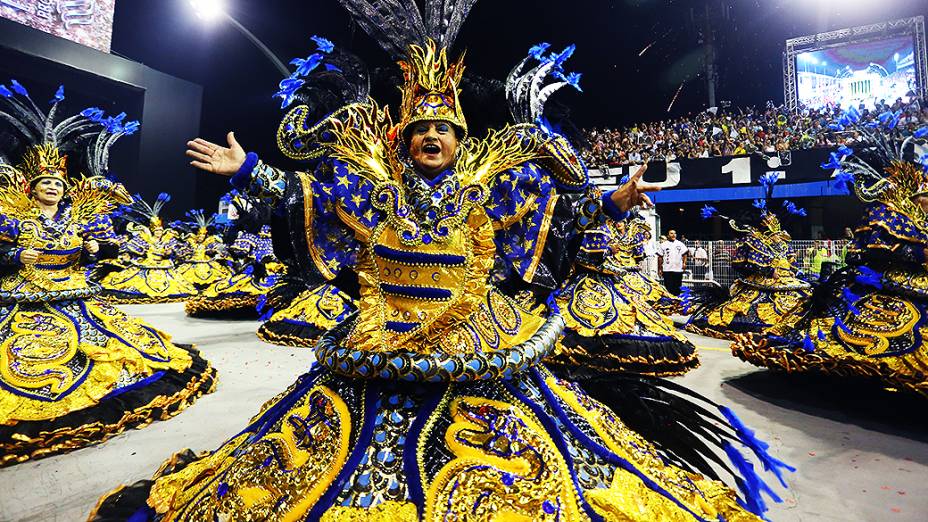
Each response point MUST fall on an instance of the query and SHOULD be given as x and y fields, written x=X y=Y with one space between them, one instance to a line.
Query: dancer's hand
x=214 y=158
x=28 y=256
x=634 y=192
x=91 y=246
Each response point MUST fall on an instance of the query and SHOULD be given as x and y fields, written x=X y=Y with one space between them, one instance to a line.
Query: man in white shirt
x=673 y=254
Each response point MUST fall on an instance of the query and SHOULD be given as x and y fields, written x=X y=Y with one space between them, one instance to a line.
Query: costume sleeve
x=327 y=212
x=887 y=238
x=100 y=228
x=243 y=246
x=538 y=230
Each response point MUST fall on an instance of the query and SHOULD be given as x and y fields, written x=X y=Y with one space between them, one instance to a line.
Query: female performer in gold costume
x=73 y=370
x=612 y=325
x=204 y=260
x=146 y=272
x=241 y=292
x=430 y=403
x=307 y=316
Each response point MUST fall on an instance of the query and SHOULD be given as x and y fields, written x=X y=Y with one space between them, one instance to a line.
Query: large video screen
x=88 y=22
x=859 y=72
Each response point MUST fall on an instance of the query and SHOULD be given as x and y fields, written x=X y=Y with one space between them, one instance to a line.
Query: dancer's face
x=48 y=191
x=432 y=147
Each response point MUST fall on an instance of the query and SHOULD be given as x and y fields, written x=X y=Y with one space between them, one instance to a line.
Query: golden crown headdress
x=431 y=87
x=44 y=161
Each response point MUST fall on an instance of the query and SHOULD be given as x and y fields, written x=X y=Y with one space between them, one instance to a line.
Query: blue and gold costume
x=310 y=314
x=241 y=291
x=74 y=370
x=429 y=403
x=146 y=272
x=611 y=324
x=203 y=259
x=767 y=291
x=866 y=321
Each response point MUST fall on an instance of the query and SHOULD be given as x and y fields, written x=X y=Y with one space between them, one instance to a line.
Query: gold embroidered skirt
x=146 y=283
x=476 y=436
x=310 y=314
x=612 y=326
x=755 y=304
x=202 y=274
x=339 y=448
x=76 y=372
x=875 y=333
x=235 y=294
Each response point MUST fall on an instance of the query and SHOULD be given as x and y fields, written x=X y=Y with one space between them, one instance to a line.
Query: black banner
x=731 y=171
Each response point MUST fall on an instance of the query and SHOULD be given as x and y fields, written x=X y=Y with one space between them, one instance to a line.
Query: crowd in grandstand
x=732 y=132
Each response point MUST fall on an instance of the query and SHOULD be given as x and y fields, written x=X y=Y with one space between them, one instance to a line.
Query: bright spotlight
x=208 y=10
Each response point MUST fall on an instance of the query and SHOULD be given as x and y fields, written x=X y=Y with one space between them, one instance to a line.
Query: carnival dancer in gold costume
x=73 y=371
x=610 y=324
x=629 y=254
x=204 y=260
x=430 y=403
x=145 y=272
x=867 y=320
x=241 y=292
x=769 y=288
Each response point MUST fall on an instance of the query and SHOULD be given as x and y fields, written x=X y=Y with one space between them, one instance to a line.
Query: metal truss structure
x=914 y=26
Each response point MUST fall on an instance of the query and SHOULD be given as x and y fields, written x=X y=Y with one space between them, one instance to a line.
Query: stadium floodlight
x=208 y=10
x=212 y=10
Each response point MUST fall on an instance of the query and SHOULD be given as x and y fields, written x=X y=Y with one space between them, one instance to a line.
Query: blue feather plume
x=868 y=277
x=807 y=344
x=707 y=211
x=59 y=95
x=757 y=446
x=850 y=298
x=751 y=485
x=19 y=89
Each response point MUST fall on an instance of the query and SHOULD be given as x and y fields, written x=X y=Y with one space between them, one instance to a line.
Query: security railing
x=709 y=262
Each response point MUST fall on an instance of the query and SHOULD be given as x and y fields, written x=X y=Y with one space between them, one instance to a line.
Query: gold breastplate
x=57 y=268
x=434 y=295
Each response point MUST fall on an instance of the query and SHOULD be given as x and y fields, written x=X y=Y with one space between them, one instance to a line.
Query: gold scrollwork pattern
x=279 y=476
x=505 y=466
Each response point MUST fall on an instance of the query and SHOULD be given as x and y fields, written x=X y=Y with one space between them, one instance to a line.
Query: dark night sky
x=619 y=86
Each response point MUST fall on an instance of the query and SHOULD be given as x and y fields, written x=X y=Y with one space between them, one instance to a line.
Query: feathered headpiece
x=199 y=222
x=48 y=141
x=527 y=90
x=768 y=222
x=879 y=171
x=330 y=79
x=398 y=24
x=141 y=212
x=421 y=44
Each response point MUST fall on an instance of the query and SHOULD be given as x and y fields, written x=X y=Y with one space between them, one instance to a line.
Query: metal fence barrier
x=709 y=262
